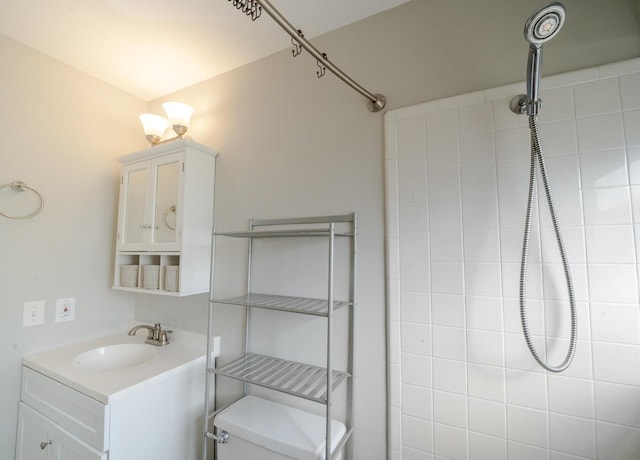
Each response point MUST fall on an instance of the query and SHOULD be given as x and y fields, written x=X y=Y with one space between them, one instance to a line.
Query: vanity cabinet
x=162 y=421
x=165 y=219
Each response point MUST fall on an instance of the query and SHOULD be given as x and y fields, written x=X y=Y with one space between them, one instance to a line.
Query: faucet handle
x=163 y=337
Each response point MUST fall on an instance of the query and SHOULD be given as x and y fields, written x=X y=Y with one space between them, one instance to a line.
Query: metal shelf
x=315 y=232
x=297 y=379
x=317 y=307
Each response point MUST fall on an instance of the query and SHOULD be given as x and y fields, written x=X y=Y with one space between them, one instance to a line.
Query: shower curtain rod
x=376 y=101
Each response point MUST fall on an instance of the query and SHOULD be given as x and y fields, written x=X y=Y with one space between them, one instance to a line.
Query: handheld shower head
x=543 y=24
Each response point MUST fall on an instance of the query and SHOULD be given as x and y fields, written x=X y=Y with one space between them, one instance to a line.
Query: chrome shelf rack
x=310 y=382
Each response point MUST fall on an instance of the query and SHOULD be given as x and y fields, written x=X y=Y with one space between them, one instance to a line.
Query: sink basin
x=115 y=357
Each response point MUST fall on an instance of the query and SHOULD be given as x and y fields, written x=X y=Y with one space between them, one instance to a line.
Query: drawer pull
x=43 y=444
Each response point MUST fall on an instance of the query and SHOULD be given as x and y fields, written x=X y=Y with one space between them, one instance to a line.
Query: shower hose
x=538 y=158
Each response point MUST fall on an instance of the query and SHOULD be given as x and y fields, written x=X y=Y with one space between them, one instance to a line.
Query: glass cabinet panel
x=166 y=212
x=136 y=189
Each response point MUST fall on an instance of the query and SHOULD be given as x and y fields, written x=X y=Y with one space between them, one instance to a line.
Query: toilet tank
x=265 y=430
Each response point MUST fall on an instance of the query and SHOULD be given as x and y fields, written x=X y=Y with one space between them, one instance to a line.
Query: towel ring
x=19 y=186
x=165 y=214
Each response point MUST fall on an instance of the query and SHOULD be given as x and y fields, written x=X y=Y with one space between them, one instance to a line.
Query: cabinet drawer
x=73 y=411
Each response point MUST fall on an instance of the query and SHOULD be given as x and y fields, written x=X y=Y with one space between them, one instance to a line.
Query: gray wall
x=291 y=144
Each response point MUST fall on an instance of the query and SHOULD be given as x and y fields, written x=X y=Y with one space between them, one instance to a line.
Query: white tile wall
x=463 y=385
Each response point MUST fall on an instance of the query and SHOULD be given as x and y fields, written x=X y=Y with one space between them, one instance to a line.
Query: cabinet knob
x=44 y=444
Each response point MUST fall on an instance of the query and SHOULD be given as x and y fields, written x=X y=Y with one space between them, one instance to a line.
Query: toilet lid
x=279 y=428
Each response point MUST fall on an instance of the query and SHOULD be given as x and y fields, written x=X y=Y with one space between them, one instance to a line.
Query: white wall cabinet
x=165 y=218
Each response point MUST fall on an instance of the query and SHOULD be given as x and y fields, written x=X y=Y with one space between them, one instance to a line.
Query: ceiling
x=150 y=48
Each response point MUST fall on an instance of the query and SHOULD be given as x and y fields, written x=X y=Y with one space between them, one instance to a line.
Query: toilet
x=261 y=429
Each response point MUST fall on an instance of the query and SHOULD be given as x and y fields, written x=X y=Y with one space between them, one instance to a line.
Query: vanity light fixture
x=179 y=115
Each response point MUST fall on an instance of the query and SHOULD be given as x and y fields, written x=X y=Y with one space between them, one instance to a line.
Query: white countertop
x=186 y=351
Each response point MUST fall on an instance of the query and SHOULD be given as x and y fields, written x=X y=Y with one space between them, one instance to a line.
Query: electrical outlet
x=33 y=313
x=65 y=309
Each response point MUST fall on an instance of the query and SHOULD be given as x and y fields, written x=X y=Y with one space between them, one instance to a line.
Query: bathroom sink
x=115 y=357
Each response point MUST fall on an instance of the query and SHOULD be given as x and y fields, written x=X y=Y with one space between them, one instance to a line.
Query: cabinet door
x=166 y=206
x=135 y=224
x=41 y=439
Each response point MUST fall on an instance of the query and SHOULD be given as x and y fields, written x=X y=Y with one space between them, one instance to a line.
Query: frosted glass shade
x=154 y=126
x=179 y=114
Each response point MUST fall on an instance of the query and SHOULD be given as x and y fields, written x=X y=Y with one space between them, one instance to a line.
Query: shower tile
x=558 y=319
x=442 y=152
x=394 y=342
x=477 y=118
x=619 y=68
x=568 y=208
x=416 y=338
x=535 y=316
x=563 y=173
x=512 y=206
x=416 y=433
x=607 y=168
x=630 y=91
x=633 y=160
x=607 y=206
x=616 y=442
x=558 y=139
x=635 y=203
x=511 y=244
x=617 y=404
x=511 y=280
x=616 y=323
x=482 y=279
x=581 y=366
x=571 y=396
x=477 y=149
x=573 y=239
x=395 y=429
x=616 y=363
x=485 y=347
x=479 y=191
x=414 y=276
x=562 y=456
x=557 y=105
x=416 y=370
x=447 y=278
x=445 y=214
x=572 y=78
x=632 y=128
x=482 y=245
x=483 y=447
x=461 y=100
x=488 y=417
x=414 y=307
x=450 y=409
x=393 y=300
x=443 y=123
x=417 y=402
x=449 y=342
x=486 y=382
x=448 y=310
x=555 y=286
x=520 y=451
x=613 y=283
x=446 y=245
x=528 y=389
x=597 y=98
x=414 y=246
x=504 y=118
x=572 y=435
x=517 y=354
x=484 y=313
x=444 y=184
x=529 y=426
x=602 y=132
x=513 y=178
x=450 y=375
x=512 y=144
x=413 y=454
x=610 y=244
x=412 y=216
x=450 y=442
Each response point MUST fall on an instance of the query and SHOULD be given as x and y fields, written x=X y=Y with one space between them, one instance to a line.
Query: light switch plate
x=33 y=313
x=65 y=309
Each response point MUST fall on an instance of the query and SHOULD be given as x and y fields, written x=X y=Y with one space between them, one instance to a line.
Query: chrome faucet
x=156 y=335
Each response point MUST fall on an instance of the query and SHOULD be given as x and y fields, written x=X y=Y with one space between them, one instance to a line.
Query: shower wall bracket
x=518 y=104
x=253 y=8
